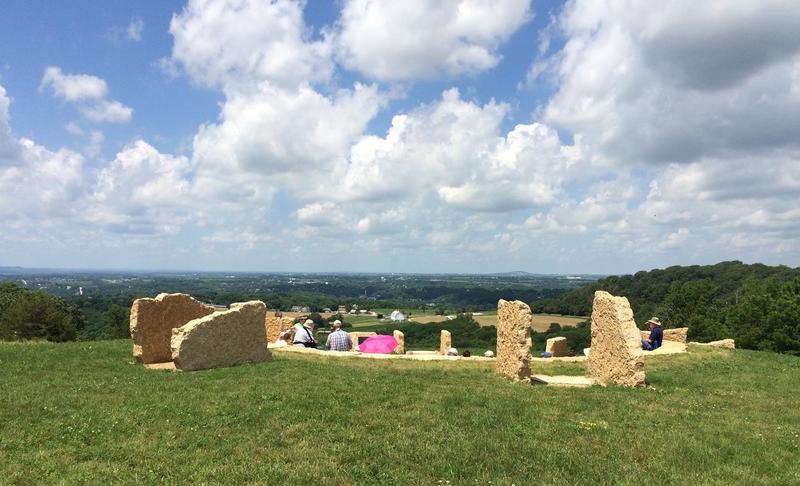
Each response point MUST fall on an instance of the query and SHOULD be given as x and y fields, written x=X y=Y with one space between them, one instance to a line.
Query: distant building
x=341 y=309
x=396 y=315
x=297 y=308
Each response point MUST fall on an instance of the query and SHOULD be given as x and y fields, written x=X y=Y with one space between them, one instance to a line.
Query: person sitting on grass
x=656 y=335
x=338 y=340
x=303 y=335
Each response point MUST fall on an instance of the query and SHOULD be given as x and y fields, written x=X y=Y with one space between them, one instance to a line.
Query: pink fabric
x=378 y=345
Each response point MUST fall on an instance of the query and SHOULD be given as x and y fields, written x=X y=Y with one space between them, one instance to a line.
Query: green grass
x=82 y=413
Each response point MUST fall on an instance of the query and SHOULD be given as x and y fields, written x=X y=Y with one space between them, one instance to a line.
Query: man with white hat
x=304 y=336
x=656 y=335
x=338 y=340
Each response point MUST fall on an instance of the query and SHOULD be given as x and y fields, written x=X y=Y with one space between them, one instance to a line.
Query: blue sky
x=459 y=136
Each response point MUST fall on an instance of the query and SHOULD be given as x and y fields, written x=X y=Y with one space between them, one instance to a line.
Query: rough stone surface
x=401 y=342
x=616 y=353
x=557 y=347
x=567 y=381
x=354 y=338
x=275 y=324
x=444 y=342
x=152 y=322
x=677 y=334
x=722 y=343
x=513 y=340
x=222 y=339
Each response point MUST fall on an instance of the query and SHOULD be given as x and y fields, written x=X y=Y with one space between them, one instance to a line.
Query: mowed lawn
x=82 y=413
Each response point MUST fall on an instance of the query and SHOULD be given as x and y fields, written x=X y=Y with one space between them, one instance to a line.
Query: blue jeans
x=646 y=345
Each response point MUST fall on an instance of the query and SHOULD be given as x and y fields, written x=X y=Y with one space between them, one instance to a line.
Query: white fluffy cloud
x=678 y=82
x=239 y=43
x=423 y=39
x=142 y=191
x=89 y=92
x=73 y=87
x=454 y=150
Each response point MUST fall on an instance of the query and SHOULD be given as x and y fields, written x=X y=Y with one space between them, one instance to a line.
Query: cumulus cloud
x=657 y=85
x=455 y=151
x=424 y=39
x=109 y=111
x=239 y=43
x=73 y=87
x=89 y=92
x=142 y=191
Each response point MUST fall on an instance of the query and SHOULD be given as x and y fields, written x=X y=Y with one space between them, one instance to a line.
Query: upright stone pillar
x=513 y=340
x=616 y=353
x=445 y=342
x=401 y=342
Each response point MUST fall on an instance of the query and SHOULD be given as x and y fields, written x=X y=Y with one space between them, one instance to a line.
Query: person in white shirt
x=304 y=336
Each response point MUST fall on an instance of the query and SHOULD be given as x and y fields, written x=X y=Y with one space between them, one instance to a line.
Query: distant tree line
x=757 y=305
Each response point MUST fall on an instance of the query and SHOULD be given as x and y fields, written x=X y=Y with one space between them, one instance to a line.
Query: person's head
x=653 y=322
x=309 y=324
x=337 y=324
x=452 y=352
x=466 y=354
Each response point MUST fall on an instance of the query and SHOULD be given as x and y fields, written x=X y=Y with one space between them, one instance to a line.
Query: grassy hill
x=81 y=412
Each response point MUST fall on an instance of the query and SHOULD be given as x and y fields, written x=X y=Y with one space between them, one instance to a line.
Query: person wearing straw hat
x=656 y=335
x=304 y=336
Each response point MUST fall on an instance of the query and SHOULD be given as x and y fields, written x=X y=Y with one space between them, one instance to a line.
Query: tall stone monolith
x=152 y=322
x=445 y=342
x=401 y=342
x=513 y=340
x=616 y=354
x=222 y=339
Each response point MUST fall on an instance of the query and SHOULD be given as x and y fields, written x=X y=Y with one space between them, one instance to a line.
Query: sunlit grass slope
x=81 y=412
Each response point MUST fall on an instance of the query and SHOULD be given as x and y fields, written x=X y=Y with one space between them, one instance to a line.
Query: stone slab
x=560 y=380
x=222 y=339
x=722 y=343
x=152 y=322
x=616 y=353
x=513 y=340
x=557 y=347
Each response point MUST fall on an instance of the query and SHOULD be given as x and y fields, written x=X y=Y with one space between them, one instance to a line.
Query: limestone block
x=222 y=339
x=401 y=342
x=275 y=324
x=152 y=322
x=677 y=334
x=444 y=342
x=557 y=346
x=722 y=343
x=616 y=354
x=355 y=338
x=513 y=340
